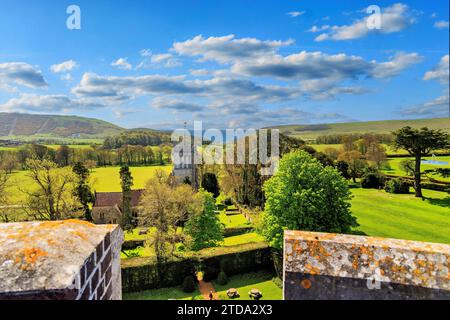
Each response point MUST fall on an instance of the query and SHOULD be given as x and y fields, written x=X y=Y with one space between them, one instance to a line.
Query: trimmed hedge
x=397 y=186
x=139 y=274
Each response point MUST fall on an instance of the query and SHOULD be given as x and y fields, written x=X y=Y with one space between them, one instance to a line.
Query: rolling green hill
x=28 y=126
x=311 y=132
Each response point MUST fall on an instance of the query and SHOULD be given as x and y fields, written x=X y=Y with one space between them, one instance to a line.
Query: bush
x=222 y=279
x=188 y=285
x=228 y=202
x=372 y=179
x=398 y=186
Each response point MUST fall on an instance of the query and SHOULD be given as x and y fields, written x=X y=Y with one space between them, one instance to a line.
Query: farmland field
x=105 y=179
x=388 y=215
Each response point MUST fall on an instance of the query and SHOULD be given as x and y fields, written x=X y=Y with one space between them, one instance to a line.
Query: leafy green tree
x=305 y=195
x=83 y=190
x=204 y=227
x=356 y=164
x=420 y=143
x=126 y=182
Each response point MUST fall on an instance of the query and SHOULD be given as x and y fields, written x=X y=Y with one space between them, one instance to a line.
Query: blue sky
x=229 y=63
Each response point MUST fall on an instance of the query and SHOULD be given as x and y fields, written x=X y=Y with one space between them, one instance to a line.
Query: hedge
x=140 y=274
x=231 y=232
x=132 y=244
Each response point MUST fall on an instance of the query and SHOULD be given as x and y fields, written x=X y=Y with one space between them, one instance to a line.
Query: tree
x=204 y=227
x=304 y=195
x=83 y=190
x=356 y=165
x=62 y=156
x=163 y=206
x=52 y=196
x=210 y=183
x=126 y=182
x=4 y=178
x=420 y=143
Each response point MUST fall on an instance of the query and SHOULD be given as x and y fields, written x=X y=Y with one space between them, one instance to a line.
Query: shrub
x=278 y=282
x=188 y=284
x=372 y=179
x=398 y=186
x=222 y=279
x=228 y=202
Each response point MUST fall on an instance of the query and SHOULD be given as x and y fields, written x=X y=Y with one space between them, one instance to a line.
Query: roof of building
x=111 y=199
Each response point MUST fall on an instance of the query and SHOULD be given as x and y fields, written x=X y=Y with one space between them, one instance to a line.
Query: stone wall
x=60 y=260
x=341 y=267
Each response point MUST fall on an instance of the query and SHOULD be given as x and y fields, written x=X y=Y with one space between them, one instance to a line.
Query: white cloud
x=396 y=65
x=441 y=24
x=227 y=48
x=65 y=66
x=440 y=106
x=122 y=63
x=176 y=105
x=46 y=103
x=315 y=28
x=295 y=14
x=393 y=19
x=440 y=72
x=21 y=73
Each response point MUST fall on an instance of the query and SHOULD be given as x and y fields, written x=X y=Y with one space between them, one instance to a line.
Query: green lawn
x=246 y=282
x=243 y=238
x=163 y=294
x=234 y=220
x=403 y=216
x=396 y=170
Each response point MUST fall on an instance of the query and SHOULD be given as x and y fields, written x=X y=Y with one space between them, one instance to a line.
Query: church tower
x=185 y=170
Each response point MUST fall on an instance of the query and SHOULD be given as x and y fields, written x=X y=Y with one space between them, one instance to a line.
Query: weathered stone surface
x=50 y=256
x=336 y=266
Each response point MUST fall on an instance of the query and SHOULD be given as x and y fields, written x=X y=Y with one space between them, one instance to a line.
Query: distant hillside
x=29 y=125
x=311 y=132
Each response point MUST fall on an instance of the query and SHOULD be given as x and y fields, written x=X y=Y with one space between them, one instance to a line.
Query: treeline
x=386 y=138
x=92 y=157
x=137 y=138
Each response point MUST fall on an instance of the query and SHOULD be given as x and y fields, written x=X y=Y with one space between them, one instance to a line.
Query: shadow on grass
x=445 y=202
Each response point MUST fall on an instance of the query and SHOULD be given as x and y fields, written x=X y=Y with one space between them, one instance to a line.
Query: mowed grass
x=233 y=220
x=246 y=282
x=163 y=294
x=396 y=169
x=388 y=215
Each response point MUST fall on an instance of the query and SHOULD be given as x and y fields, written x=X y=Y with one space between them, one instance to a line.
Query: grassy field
x=108 y=179
x=394 y=163
x=105 y=179
x=383 y=214
x=311 y=132
x=246 y=282
x=233 y=221
x=163 y=294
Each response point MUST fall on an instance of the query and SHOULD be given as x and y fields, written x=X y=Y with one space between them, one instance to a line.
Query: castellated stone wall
x=60 y=260
x=342 y=267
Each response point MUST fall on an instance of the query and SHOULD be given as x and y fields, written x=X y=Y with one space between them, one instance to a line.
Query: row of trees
x=386 y=138
x=93 y=156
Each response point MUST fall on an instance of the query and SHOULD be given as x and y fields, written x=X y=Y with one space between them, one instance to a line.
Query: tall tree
x=355 y=163
x=62 y=156
x=4 y=178
x=205 y=227
x=126 y=182
x=420 y=143
x=83 y=190
x=210 y=183
x=52 y=196
x=305 y=195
